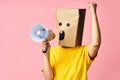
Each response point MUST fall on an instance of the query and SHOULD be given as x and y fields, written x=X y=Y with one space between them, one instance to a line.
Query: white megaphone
x=39 y=33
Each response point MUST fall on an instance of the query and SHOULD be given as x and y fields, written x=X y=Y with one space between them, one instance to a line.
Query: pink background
x=21 y=58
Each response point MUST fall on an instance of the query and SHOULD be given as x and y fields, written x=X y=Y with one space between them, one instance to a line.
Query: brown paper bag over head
x=70 y=24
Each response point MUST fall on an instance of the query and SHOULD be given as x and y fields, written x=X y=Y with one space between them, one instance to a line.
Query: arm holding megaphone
x=40 y=33
x=46 y=69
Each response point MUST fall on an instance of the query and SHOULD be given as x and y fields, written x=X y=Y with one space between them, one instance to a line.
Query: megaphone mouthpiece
x=50 y=35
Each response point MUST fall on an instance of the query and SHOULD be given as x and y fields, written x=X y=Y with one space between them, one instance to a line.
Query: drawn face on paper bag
x=70 y=23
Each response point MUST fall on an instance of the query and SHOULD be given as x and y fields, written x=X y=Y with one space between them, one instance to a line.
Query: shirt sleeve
x=88 y=59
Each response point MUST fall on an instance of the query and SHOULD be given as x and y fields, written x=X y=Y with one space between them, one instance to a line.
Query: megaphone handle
x=45 y=50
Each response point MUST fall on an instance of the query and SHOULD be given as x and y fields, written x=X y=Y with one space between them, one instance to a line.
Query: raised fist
x=92 y=7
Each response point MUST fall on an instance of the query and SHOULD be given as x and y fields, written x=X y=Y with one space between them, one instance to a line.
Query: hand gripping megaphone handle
x=46 y=48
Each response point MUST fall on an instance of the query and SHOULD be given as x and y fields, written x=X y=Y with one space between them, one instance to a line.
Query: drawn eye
x=60 y=24
x=68 y=24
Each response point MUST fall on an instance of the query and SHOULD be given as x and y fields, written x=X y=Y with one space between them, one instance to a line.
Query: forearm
x=96 y=35
x=47 y=70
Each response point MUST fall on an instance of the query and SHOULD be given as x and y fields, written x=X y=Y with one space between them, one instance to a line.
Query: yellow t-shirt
x=70 y=63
